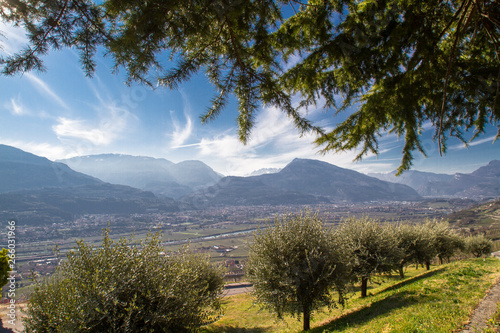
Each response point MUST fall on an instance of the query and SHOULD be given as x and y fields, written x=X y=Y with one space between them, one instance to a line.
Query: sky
x=61 y=113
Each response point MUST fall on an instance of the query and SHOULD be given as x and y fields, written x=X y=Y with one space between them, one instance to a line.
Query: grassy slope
x=440 y=300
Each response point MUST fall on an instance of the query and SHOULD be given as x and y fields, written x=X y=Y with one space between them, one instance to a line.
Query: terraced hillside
x=483 y=218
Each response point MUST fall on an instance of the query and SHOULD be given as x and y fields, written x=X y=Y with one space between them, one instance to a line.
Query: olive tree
x=446 y=241
x=295 y=266
x=125 y=288
x=420 y=243
x=415 y=243
x=372 y=248
x=478 y=245
x=5 y=267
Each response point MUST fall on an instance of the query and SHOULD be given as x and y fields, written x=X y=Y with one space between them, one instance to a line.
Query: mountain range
x=20 y=170
x=481 y=183
x=40 y=191
x=301 y=181
x=35 y=187
x=158 y=175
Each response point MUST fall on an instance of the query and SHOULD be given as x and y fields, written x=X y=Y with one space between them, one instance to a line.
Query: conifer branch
x=52 y=24
x=448 y=74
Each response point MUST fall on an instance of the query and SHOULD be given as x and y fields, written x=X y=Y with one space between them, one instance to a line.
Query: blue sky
x=61 y=113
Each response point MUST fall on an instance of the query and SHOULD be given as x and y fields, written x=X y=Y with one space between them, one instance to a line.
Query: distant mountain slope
x=20 y=170
x=491 y=170
x=194 y=174
x=302 y=182
x=413 y=178
x=36 y=190
x=263 y=171
x=482 y=183
x=247 y=191
x=321 y=178
x=158 y=175
x=135 y=171
x=49 y=205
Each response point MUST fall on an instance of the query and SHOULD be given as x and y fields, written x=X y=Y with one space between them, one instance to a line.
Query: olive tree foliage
x=411 y=242
x=5 y=266
x=372 y=248
x=478 y=245
x=121 y=287
x=417 y=245
x=421 y=243
x=296 y=266
x=446 y=241
x=402 y=64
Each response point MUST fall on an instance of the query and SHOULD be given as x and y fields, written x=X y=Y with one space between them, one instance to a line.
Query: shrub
x=5 y=267
x=125 y=288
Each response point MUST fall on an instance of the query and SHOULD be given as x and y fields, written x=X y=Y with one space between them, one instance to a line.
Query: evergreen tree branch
x=447 y=78
x=53 y=24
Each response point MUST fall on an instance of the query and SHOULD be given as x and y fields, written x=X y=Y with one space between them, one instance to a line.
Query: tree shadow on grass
x=368 y=313
x=398 y=282
x=406 y=282
x=396 y=301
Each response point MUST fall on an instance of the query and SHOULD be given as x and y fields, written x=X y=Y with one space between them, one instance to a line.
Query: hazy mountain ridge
x=301 y=181
x=50 y=205
x=20 y=170
x=263 y=171
x=247 y=191
x=157 y=175
x=413 y=178
x=44 y=191
x=36 y=190
x=325 y=179
x=481 y=183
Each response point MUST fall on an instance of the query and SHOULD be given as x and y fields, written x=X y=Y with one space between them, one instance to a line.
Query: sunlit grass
x=439 y=300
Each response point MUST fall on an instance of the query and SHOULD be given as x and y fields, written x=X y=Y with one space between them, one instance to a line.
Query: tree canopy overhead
x=403 y=64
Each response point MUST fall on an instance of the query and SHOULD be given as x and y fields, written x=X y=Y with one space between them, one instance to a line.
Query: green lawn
x=439 y=300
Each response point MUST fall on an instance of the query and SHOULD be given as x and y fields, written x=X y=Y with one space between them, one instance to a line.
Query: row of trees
x=298 y=263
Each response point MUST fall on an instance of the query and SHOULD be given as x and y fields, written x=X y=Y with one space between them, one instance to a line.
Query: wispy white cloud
x=181 y=132
x=110 y=124
x=16 y=107
x=80 y=129
x=100 y=123
x=45 y=89
x=461 y=146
